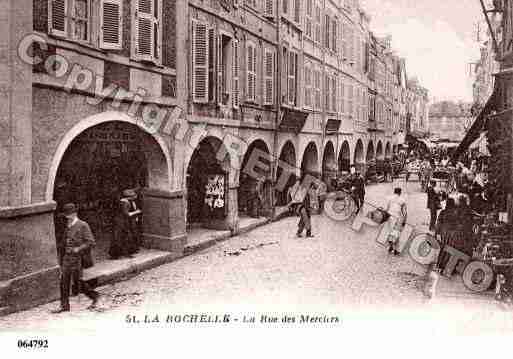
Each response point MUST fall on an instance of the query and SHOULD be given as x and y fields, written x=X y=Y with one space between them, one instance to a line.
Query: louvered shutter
x=59 y=21
x=145 y=30
x=199 y=62
x=111 y=24
x=249 y=69
x=235 y=75
x=255 y=73
x=269 y=78
x=219 y=69
x=269 y=8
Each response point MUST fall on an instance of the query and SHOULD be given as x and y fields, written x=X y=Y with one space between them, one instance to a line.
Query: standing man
x=78 y=243
x=133 y=214
x=433 y=204
x=305 y=215
x=358 y=184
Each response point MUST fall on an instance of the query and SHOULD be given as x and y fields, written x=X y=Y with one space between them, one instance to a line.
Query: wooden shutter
x=334 y=90
x=200 y=62
x=269 y=78
x=251 y=60
x=235 y=75
x=144 y=24
x=111 y=24
x=219 y=69
x=58 y=17
x=292 y=78
x=269 y=9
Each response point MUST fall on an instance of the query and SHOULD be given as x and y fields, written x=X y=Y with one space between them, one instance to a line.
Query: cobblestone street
x=270 y=270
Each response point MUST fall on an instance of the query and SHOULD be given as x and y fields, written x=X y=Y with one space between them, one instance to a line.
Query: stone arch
x=286 y=172
x=359 y=156
x=371 y=155
x=344 y=157
x=388 y=150
x=110 y=116
x=255 y=172
x=329 y=162
x=208 y=161
x=310 y=160
x=380 y=154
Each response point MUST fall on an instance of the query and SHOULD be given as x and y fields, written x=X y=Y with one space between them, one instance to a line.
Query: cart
x=444 y=180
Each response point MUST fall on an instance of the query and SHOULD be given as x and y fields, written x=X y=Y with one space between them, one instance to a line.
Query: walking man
x=305 y=216
x=133 y=217
x=78 y=242
x=433 y=204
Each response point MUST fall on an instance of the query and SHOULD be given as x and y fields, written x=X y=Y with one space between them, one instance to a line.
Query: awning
x=293 y=120
x=477 y=127
x=332 y=126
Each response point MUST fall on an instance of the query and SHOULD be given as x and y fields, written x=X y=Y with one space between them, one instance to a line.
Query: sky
x=437 y=38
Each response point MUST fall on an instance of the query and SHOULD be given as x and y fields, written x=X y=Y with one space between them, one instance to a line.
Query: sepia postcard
x=255 y=177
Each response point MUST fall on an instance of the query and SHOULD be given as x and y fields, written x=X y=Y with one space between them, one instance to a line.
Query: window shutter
x=200 y=62
x=269 y=8
x=219 y=69
x=292 y=78
x=269 y=78
x=59 y=21
x=251 y=72
x=334 y=89
x=235 y=75
x=145 y=30
x=255 y=73
x=342 y=97
x=111 y=24
x=212 y=91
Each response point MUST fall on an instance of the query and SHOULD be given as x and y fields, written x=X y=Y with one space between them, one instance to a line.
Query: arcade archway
x=370 y=156
x=344 y=158
x=359 y=156
x=255 y=184
x=329 y=163
x=388 y=151
x=207 y=186
x=97 y=165
x=288 y=157
x=310 y=161
x=380 y=154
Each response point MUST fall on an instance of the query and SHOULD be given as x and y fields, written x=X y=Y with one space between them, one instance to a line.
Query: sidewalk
x=109 y=271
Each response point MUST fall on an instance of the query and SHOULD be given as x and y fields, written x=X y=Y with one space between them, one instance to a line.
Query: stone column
x=15 y=105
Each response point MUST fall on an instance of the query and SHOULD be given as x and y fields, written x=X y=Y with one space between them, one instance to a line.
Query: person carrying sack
x=397 y=210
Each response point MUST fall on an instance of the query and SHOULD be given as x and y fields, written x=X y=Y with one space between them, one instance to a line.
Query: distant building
x=448 y=121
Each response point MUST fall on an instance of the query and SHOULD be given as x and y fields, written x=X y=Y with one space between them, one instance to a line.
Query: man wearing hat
x=78 y=241
x=133 y=213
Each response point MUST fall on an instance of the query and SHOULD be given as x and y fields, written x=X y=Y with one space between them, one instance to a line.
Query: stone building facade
x=179 y=99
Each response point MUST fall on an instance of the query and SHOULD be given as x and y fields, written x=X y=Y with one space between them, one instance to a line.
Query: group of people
x=75 y=243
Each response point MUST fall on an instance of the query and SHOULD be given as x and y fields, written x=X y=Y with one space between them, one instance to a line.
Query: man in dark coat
x=305 y=216
x=133 y=216
x=433 y=204
x=77 y=252
x=358 y=185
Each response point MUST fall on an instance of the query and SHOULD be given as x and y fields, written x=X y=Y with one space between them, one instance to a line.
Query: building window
x=334 y=29
x=317 y=85
x=327 y=23
x=251 y=68
x=342 y=97
x=350 y=109
x=292 y=77
x=317 y=23
x=296 y=10
x=327 y=93
x=80 y=19
x=308 y=18
x=269 y=77
x=148 y=30
x=308 y=86
x=334 y=89
x=200 y=62
x=285 y=6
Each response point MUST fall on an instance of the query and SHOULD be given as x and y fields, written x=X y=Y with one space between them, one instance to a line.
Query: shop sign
x=99 y=135
x=215 y=192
